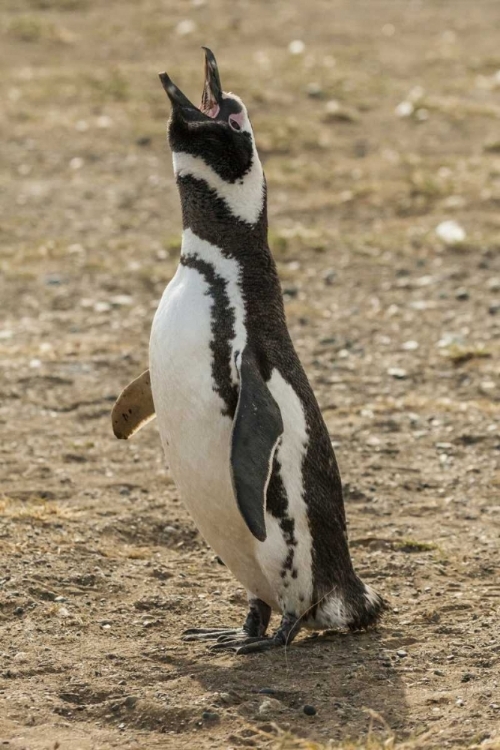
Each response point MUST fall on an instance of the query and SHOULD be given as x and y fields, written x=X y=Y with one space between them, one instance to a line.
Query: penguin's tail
x=366 y=610
x=355 y=606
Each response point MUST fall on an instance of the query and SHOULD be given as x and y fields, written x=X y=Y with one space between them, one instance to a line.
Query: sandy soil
x=102 y=568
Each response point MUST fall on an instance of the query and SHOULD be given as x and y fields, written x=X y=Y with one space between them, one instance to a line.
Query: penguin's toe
x=210 y=634
x=236 y=644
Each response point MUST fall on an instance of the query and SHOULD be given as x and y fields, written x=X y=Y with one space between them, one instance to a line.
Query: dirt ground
x=382 y=126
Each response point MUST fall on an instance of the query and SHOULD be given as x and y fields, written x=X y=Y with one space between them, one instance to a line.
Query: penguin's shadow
x=351 y=679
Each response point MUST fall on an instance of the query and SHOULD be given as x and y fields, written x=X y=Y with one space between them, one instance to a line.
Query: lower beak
x=175 y=95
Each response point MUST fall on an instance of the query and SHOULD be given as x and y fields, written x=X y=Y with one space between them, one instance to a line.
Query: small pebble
x=402 y=654
x=467 y=677
x=269 y=706
x=53 y=280
x=462 y=294
x=450 y=232
x=397 y=372
x=185 y=27
x=439 y=672
x=314 y=90
x=104 y=122
x=267 y=691
x=404 y=109
x=410 y=346
x=494 y=285
x=210 y=716
x=309 y=710
x=121 y=300
x=297 y=47
x=76 y=162
x=19 y=611
x=494 y=308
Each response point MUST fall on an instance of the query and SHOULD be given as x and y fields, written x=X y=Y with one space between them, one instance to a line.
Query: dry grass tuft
x=33 y=29
x=461 y=354
x=36 y=509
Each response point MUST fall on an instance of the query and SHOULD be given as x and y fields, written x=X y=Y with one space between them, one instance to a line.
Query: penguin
x=241 y=429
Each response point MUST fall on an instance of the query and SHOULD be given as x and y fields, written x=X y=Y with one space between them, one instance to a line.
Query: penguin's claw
x=191 y=631
x=263 y=644
x=211 y=634
x=237 y=644
x=248 y=645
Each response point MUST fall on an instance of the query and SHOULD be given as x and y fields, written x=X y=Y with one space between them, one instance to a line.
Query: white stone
x=404 y=109
x=297 y=47
x=185 y=27
x=397 y=372
x=122 y=300
x=76 y=162
x=450 y=232
x=104 y=122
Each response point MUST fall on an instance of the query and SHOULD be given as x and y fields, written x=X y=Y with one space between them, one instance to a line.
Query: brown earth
x=101 y=567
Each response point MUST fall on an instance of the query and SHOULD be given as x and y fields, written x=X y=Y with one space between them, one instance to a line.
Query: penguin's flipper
x=133 y=408
x=257 y=429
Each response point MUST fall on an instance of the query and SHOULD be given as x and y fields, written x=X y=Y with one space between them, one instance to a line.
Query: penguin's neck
x=215 y=235
x=229 y=215
x=208 y=214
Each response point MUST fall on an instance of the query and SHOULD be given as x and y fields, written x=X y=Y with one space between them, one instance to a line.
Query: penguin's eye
x=233 y=122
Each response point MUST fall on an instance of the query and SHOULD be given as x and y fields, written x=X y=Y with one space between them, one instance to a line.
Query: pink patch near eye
x=237 y=121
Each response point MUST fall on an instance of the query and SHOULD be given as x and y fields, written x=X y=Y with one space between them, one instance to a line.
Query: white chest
x=195 y=433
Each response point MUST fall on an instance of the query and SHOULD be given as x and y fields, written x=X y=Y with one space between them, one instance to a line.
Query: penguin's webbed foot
x=285 y=634
x=255 y=626
x=244 y=645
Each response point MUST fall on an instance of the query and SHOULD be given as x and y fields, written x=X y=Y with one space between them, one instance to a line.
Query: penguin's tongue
x=212 y=89
x=210 y=109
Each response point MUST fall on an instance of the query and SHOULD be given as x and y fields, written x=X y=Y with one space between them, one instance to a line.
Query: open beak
x=212 y=93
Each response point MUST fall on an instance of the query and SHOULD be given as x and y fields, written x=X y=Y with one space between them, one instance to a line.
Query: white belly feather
x=196 y=436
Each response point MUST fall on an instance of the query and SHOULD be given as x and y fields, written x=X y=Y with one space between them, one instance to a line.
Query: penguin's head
x=217 y=135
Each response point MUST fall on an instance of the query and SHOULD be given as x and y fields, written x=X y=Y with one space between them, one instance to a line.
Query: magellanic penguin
x=240 y=425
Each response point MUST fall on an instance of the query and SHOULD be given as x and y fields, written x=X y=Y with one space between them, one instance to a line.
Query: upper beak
x=212 y=90
x=211 y=97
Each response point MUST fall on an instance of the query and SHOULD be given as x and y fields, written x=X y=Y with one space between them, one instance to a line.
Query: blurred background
x=378 y=126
